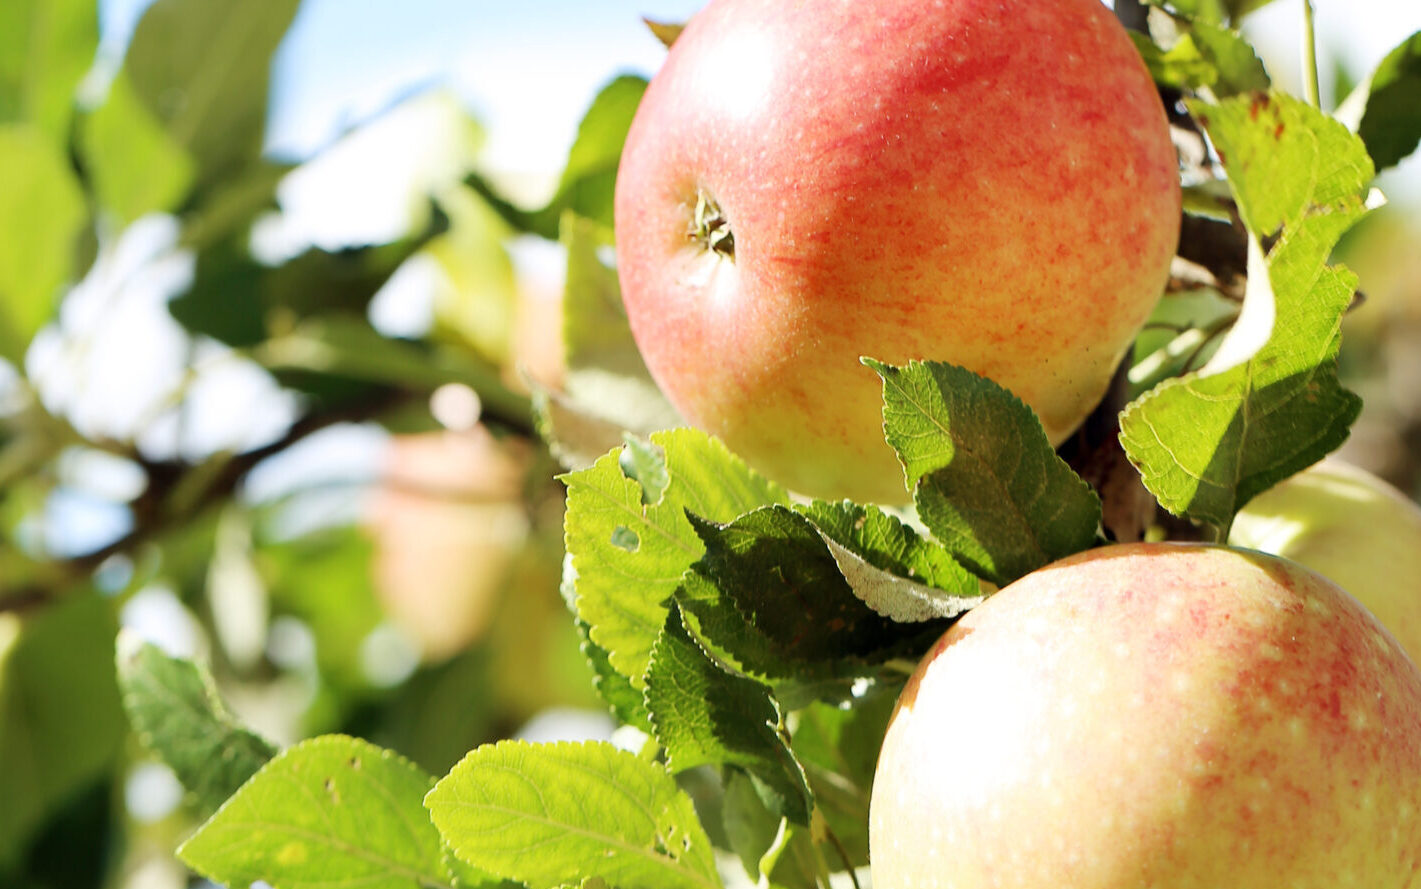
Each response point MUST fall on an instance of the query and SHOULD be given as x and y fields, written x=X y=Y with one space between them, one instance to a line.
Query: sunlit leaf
x=629 y=555
x=986 y=481
x=45 y=48
x=329 y=811
x=42 y=212
x=1269 y=402
x=554 y=814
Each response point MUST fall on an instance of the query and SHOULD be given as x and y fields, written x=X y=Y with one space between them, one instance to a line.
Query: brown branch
x=157 y=510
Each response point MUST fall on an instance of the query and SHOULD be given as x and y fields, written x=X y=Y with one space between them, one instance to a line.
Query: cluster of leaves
x=166 y=144
x=752 y=646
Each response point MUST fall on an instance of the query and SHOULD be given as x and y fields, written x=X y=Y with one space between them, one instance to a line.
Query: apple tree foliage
x=750 y=644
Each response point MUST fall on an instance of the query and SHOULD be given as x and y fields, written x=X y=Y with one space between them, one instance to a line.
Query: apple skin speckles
x=1196 y=716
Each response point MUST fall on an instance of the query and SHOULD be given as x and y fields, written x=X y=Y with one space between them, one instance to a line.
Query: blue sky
x=529 y=69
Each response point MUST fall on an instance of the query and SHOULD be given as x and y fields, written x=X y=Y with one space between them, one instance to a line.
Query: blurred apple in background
x=448 y=521
x=1353 y=528
x=1162 y=715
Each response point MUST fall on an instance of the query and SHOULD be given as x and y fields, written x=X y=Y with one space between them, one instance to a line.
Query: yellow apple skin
x=1156 y=716
x=1351 y=527
x=985 y=183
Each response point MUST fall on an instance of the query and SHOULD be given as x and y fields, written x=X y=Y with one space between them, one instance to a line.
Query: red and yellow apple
x=1161 y=716
x=1351 y=527
x=984 y=183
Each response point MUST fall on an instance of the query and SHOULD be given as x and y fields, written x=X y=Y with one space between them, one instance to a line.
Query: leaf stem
x=843 y=854
x=1310 y=81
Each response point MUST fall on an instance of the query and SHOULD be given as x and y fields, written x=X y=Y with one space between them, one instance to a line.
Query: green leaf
x=1237 y=66
x=769 y=596
x=838 y=746
x=704 y=715
x=626 y=702
x=46 y=46
x=1268 y=403
x=1391 y=123
x=476 y=298
x=986 y=480
x=42 y=213
x=329 y=811
x=628 y=555
x=1182 y=66
x=176 y=712
x=1212 y=11
x=61 y=723
x=894 y=571
x=608 y=391
x=235 y=299
x=591 y=172
x=550 y=814
x=136 y=166
x=588 y=180
x=325 y=579
x=203 y=70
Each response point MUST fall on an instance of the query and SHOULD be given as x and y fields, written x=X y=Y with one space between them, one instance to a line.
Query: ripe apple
x=1156 y=715
x=985 y=183
x=1351 y=527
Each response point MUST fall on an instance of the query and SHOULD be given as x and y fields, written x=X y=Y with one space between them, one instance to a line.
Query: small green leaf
x=591 y=172
x=608 y=391
x=1391 y=123
x=136 y=166
x=203 y=70
x=769 y=596
x=551 y=814
x=46 y=46
x=703 y=715
x=174 y=708
x=1236 y=63
x=986 y=480
x=238 y=300
x=838 y=746
x=42 y=212
x=1181 y=66
x=1268 y=403
x=629 y=555
x=61 y=723
x=1212 y=11
x=894 y=571
x=626 y=703
x=329 y=811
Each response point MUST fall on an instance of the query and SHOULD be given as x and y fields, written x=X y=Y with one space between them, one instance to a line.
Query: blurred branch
x=179 y=492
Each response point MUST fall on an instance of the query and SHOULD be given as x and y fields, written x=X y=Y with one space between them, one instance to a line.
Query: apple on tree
x=1156 y=715
x=1351 y=527
x=983 y=183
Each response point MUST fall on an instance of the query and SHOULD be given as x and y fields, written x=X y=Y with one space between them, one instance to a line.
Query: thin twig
x=1310 y=81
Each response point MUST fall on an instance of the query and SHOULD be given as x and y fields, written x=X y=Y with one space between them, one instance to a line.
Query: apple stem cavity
x=710 y=228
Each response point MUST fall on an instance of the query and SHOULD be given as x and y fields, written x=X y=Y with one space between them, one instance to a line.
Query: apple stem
x=710 y=227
